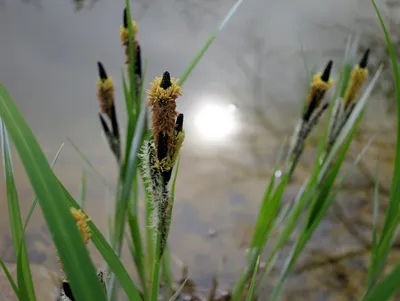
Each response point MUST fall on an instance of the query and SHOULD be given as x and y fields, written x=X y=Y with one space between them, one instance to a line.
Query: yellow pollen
x=357 y=79
x=81 y=221
x=156 y=93
x=124 y=32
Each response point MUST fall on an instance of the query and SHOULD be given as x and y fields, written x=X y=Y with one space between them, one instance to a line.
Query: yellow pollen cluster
x=357 y=79
x=124 y=33
x=81 y=221
x=105 y=94
x=318 y=87
x=156 y=93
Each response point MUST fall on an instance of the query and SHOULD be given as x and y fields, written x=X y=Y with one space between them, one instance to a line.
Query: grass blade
x=393 y=209
x=90 y=165
x=35 y=201
x=266 y=215
x=24 y=275
x=83 y=189
x=10 y=279
x=128 y=173
x=74 y=254
x=253 y=281
x=385 y=288
x=167 y=272
x=108 y=255
x=137 y=251
x=208 y=43
x=178 y=291
x=371 y=273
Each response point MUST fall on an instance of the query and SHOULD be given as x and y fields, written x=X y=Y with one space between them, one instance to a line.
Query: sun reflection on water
x=216 y=122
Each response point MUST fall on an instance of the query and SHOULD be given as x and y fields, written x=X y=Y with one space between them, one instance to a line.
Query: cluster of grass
x=148 y=159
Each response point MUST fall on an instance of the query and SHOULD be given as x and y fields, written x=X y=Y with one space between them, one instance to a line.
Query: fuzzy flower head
x=105 y=90
x=81 y=221
x=162 y=99
x=164 y=89
x=357 y=79
x=124 y=31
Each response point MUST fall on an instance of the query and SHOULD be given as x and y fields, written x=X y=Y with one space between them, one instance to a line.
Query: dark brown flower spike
x=102 y=71
x=179 y=123
x=138 y=62
x=364 y=60
x=125 y=18
x=166 y=81
x=114 y=122
x=327 y=72
x=105 y=95
x=104 y=125
x=162 y=147
x=68 y=291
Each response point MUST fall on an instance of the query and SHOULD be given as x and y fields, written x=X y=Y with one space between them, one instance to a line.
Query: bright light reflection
x=215 y=122
x=278 y=173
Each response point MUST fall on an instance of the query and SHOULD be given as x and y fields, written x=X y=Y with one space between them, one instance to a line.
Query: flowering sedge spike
x=320 y=84
x=105 y=95
x=160 y=153
x=124 y=32
x=136 y=73
x=357 y=79
x=105 y=91
x=162 y=100
x=124 y=35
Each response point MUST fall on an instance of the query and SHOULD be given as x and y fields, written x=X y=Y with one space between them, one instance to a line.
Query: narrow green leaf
x=393 y=209
x=113 y=261
x=266 y=215
x=74 y=254
x=83 y=188
x=372 y=272
x=35 y=201
x=253 y=281
x=90 y=165
x=208 y=43
x=10 y=279
x=385 y=288
x=178 y=291
x=137 y=252
x=155 y=277
x=167 y=272
x=24 y=275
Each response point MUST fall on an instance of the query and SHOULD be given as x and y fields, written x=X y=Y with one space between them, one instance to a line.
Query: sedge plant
x=147 y=157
